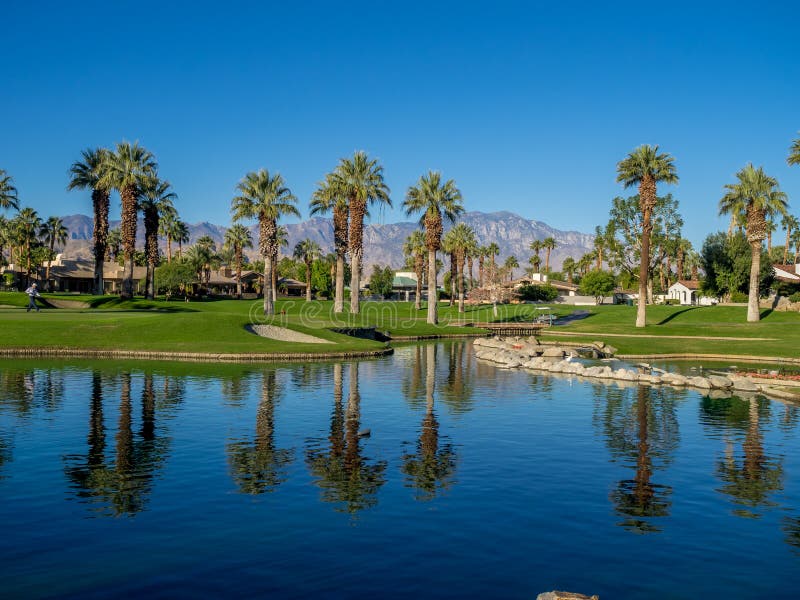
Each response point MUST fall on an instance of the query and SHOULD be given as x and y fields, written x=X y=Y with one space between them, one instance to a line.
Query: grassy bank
x=219 y=326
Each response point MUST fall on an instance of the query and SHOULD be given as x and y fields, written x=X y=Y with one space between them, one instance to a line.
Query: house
x=787 y=273
x=77 y=275
x=687 y=293
x=404 y=286
x=564 y=288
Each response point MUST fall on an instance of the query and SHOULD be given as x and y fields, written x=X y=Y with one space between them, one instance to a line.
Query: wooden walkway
x=517 y=329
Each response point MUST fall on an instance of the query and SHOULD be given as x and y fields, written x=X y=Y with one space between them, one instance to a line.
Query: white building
x=687 y=292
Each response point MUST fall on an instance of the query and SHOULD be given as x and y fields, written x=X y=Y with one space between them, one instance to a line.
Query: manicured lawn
x=220 y=326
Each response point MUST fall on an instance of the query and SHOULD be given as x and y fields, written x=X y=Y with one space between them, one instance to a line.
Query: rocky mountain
x=383 y=244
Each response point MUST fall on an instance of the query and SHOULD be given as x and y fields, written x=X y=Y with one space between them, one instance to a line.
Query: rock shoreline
x=527 y=353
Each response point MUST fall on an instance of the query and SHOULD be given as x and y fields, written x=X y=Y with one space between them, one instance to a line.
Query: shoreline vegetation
x=221 y=330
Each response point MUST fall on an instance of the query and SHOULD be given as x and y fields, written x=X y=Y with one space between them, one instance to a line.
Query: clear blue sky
x=527 y=106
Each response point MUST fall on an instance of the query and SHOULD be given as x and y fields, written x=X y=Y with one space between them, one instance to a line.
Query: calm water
x=132 y=479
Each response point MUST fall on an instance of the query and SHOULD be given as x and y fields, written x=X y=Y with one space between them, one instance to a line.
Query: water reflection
x=640 y=427
x=346 y=477
x=432 y=467
x=121 y=486
x=257 y=466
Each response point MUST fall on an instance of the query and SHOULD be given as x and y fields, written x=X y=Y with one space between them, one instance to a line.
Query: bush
x=538 y=293
x=795 y=297
x=598 y=284
x=738 y=297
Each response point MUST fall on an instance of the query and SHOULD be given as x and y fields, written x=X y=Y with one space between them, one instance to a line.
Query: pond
x=423 y=474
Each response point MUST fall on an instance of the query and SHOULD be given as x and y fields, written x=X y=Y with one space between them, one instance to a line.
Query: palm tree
x=266 y=198
x=27 y=224
x=155 y=202
x=492 y=250
x=128 y=170
x=281 y=240
x=645 y=167
x=794 y=153
x=414 y=248
x=8 y=193
x=54 y=232
x=434 y=199
x=307 y=251
x=360 y=180
x=789 y=223
x=548 y=244
x=461 y=239
x=86 y=174
x=569 y=266
x=113 y=242
x=755 y=194
x=181 y=235
x=684 y=247
x=536 y=246
x=167 y=225
x=536 y=262
x=511 y=264
x=238 y=237
x=328 y=198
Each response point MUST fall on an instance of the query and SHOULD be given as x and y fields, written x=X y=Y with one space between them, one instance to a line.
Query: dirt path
x=668 y=337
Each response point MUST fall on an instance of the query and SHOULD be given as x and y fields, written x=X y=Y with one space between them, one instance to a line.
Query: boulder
x=556 y=595
x=745 y=385
x=675 y=379
x=719 y=382
x=648 y=378
x=700 y=382
x=625 y=375
x=553 y=352
x=599 y=345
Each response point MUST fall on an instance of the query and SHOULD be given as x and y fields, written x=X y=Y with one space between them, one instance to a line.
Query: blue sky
x=527 y=106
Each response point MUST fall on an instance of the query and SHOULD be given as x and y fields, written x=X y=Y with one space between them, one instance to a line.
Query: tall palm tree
x=360 y=180
x=756 y=194
x=238 y=238
x=127 y=170
x=511 y=264
x=536 y=262
x=86 y=174
x=600 y=244
x=548 y=244
x=5 y=235
x=492 y=250
x=113 y=243
x=307 y=251
x=281 y=240
x=27 y=224
x=8 y=193
x=683 y=249
x=435 y=199
x=265 y=197
x=166 y=229
x=414 y=248
x=536 y=246
x=181 y=235
x=482 y=253
x=461 y=238
x=790 y=224
x=329 y=198
x=155 y=202
x=645 y=167
x=569 y=266
x=794 y=153
x=54 y=232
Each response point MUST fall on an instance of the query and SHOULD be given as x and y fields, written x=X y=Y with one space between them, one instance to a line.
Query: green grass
x=219 y=326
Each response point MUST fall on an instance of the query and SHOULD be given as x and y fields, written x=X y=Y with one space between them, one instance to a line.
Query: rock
x=556 y=595
x=700 y=382
x=600 y=345
x=610 y=350
x=674 y=379
x=553 y=352
x=647 y=378
x=719 y=382
x=745 y=385
x=625 y=375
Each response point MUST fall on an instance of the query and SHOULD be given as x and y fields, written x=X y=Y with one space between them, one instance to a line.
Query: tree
x=168 y=229
x=54 y=232
x=536 y=246
x=266 y=198
x=360 y=180
x=113 y=243
x=790 y=224
x=492 y=250
x=755 y=195
x=538 y=293
x=511 y=264
x=645 y=167
x=459 y=240
x=155 y=202
x=598 y=284
x=307 y=251
x=726 y=261
x=381 y=281
x=414 y=248
x=535 y=261
x=548 y=244
x=128 y=170
x=26 y=225
x=435 y=199
x=175 y=277
x=794 y=153
x=8 y=193
x=181 y=235
x=568 y=266
x=328 y=197
x=87 y=174
x=238 y=238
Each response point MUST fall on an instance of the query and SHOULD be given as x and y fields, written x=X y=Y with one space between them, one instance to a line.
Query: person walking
x=32 y=294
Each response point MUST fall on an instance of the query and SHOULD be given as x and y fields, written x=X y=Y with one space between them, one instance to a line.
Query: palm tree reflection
x=431 y=468
x=257 y=466
x=346 y=477
x=643 y=433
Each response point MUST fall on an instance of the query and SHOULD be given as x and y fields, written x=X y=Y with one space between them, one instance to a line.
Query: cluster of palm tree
x=29 y=239
x=132 y=171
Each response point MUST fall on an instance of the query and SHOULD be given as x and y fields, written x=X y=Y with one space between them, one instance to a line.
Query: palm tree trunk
x=49 y=261
x=453 y=277
x=308 y=281
x=418 y=266
x=786 y=248
x=433 y=317
x=547 y=261
x=338 y=297
x=128 y=231
x=480 y=271
x=755 y=269
x=647 y=195
x=460 y=276
x=169 y=249
x=274 y=277
x=238 y=271
x=355 y=279
x=100 y=234
x=269 y=268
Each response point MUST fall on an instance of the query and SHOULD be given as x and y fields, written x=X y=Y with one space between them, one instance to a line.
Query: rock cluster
x=529 y=354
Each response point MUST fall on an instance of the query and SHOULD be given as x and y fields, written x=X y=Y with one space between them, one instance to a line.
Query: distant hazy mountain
x=383 y=244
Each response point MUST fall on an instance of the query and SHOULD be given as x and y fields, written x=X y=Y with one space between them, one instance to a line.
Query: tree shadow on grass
x=765 y=313
x=675 y=314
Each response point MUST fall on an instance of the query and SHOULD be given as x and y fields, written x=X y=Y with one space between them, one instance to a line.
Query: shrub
x=598 y=284
x=738 y=297
x=795 y=297
x=538 y=293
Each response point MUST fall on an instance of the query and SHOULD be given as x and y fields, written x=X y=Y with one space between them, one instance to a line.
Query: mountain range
x=383 y=243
